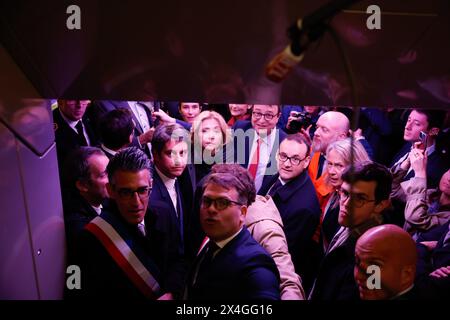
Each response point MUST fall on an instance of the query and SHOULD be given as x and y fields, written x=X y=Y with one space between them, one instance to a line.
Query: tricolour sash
x=124 y=256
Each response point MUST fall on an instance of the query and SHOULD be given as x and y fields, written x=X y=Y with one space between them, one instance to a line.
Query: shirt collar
x=109 y=150
x=168 y=182
x=223 y=243
x=71 y=123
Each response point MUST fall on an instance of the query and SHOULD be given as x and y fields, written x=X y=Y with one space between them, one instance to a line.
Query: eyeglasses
x=128 y=194
x=267 y=116
x=219 y=203
x=357 y=200
x=295 y=161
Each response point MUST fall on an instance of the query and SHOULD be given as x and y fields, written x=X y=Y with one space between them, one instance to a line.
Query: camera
x=303 y=120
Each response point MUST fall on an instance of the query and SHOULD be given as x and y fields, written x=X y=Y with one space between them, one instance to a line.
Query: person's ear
x=243 y=213
x=109 y=188
x=408 y=275
x=383 y=204
x=306 y=162
x=81 y=186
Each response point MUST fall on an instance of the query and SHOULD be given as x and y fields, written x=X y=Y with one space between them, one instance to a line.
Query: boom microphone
x=302 y=33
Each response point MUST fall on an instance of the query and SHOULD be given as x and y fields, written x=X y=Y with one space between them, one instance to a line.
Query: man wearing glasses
x=296 y=200
x=256 y=142
x=231 y=265
x=364 y=195
x=115 y=257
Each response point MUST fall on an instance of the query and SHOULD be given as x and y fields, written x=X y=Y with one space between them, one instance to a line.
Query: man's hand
x=147 y=136
x=164 y=117
x=305 y=133
x=406 y=163
x=441 y=272
x=418 y=159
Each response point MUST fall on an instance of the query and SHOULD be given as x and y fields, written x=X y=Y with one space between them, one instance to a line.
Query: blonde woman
x=209 y=134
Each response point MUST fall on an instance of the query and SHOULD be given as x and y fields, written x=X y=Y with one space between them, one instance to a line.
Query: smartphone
x=423 y=139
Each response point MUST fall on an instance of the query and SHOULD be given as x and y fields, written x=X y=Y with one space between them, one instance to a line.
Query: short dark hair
x=76 y=166
x=371 y=171
x=435 y=118
x=299 y=139
x=232 y=175
x=128 y=159
x=166 y=132
x=116 y=127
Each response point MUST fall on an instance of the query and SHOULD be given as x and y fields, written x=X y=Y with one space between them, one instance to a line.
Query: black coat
x=242 y=270
x=67 y=139
x=300 y=212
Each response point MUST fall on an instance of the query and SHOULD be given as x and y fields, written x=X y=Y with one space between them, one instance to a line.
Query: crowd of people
x=190 y=201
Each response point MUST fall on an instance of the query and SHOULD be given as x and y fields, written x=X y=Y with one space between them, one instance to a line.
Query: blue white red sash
x=124 y=256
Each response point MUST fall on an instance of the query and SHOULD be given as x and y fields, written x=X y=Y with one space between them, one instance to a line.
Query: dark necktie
x=274 y=188
x=319 y=169
x=205 y=262
x=180 y=214
x=81 y=137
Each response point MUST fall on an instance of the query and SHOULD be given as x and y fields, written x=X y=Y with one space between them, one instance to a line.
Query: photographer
x=299 y=120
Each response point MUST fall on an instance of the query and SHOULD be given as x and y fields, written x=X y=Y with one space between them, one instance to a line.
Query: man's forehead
x=264 y=107
x=290 y=147
x=360 y=187
x=175 y=144
x=418 y=116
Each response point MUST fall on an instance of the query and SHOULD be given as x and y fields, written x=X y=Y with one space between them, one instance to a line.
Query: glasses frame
x=290 y=159
x=267 y=116
x=128 y=194
x=216 y=205
x=357 y=203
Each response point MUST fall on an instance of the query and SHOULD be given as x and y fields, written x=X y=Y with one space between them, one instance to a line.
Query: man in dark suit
x=364 y=195
x=232 y=265
x=255 y=143
x=296 y=200
x=72 y=127
x=114 y=253
x=170 y=200
x=116 y=131
x=84 y=191
x=141 y=113
x=430 y=122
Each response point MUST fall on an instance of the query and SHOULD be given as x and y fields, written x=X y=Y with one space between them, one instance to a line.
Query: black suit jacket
x=242 y=270
x=99 y=108
x=335 y=279
x=239 y=150
x=101 y=277
x=67 y=139
x=77 y=214
x=300 y=211
x=165 y=235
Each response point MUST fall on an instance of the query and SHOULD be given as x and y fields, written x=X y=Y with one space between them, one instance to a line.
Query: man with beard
x=331 y=126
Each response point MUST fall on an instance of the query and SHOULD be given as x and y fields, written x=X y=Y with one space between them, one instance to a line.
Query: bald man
x=331 y=126
x=392 y=251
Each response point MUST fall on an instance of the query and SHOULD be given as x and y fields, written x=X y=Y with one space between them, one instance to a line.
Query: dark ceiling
x=216 y=51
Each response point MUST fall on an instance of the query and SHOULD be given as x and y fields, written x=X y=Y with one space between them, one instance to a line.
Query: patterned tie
x=81 y=137
x=253 y=167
